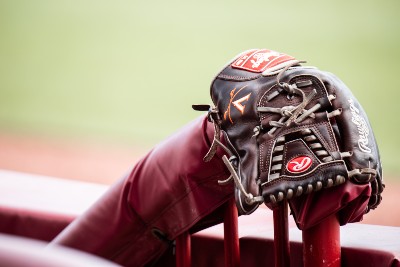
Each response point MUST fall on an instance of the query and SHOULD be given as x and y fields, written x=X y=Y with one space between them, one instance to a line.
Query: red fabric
x=24 y=252
x=349 y=201
x=259 y=60
x=169 y=190
x=33 y=224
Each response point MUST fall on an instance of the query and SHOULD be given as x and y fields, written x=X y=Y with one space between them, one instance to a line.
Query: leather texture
x=281 y=151
x=171 y=190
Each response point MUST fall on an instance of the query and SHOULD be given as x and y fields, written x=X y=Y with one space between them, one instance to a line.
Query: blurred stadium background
x=86 y=87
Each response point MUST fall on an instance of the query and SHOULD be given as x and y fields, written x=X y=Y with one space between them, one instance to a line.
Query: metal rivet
x=299 y=191
x=340 y=179
x=309 y=188
x=280 y=196
x=272 y=198
x=289 y=193
x=318 y=186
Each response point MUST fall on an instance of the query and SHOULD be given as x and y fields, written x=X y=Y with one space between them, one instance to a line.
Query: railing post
x=183 y=250
x=321 y=244
x=281 y=235
x=231 y=235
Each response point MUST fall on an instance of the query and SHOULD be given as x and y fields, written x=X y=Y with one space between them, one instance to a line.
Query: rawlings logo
x=362 y=127
x=262 y=57
x=237 y=103
x=258 y=60
x=299 y=164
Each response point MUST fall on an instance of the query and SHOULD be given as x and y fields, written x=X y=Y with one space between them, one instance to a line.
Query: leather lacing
x=249 y=198
x=290 y=114
x=213 y=116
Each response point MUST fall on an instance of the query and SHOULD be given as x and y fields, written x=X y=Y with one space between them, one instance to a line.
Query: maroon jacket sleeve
x=168 y=192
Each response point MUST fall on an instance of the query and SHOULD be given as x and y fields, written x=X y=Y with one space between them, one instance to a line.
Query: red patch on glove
x=299 y=164
x=259 y=60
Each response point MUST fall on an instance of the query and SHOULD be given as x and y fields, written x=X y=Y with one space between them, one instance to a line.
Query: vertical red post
x=231 y=235
x=183 y=250
x=321 y=244
x=281 y=235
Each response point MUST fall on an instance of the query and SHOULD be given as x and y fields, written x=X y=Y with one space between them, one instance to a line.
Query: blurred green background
x=128 y=71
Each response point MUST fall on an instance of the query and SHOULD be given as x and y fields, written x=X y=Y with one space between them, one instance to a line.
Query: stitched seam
x=301 y=177
x=333 y=138
x=237 y=78
x=321 y=137
x=214 y=178
x=261 y=157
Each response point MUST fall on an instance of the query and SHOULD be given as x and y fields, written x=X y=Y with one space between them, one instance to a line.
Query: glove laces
x=292 y=114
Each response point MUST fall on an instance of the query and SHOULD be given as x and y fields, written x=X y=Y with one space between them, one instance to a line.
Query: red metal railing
x=321 y=243
x=183 y=250
x=231 y=235
x=281 y=235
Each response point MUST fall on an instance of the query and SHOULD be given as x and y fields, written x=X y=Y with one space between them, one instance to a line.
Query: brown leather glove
x=289 y=130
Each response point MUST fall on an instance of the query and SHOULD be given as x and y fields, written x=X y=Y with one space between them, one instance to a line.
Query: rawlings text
x=362 y=127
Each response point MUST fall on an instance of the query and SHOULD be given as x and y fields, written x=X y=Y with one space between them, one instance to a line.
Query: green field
x=129 y=71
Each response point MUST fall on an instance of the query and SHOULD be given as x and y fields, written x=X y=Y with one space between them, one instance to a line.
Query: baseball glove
x=289 y=130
